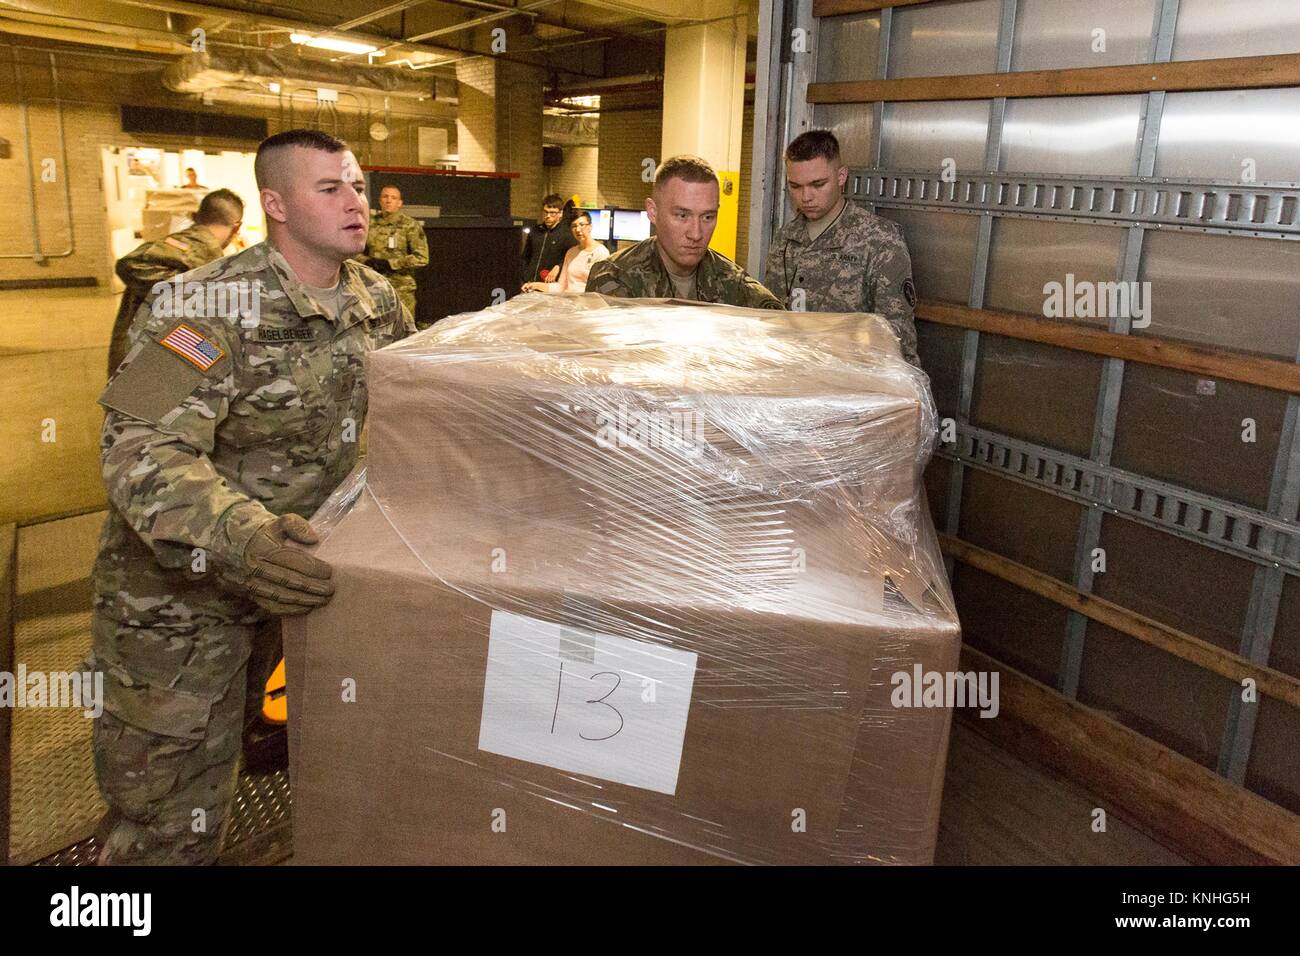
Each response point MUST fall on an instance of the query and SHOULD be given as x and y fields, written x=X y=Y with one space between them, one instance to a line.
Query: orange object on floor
x=275 y=705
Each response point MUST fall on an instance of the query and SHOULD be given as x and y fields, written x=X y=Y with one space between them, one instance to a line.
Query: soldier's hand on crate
x=283 y=578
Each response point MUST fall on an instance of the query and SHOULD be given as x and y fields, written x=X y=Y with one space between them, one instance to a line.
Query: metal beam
x=1112 y=373
x=882 y=72
x=980 y=268
x=766 y=144
x=1265 y=598
x=1257 y=210
x=1226 y=526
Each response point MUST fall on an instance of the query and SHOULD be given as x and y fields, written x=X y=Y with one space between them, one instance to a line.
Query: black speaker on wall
x=552 y=156
x=148 y=119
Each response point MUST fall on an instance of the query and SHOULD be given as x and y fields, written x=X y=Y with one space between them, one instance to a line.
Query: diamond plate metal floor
x=54 y=797
x=259 y=834
x=55 y=802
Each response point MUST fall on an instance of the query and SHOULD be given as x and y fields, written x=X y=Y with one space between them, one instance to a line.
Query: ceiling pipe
x=71 y=35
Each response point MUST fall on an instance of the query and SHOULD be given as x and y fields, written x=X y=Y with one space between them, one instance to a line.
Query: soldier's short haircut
x=691 y=169
x=221 y=207
x=393 y=188
x=811 y=145
x=554 y=200
x=306 y=138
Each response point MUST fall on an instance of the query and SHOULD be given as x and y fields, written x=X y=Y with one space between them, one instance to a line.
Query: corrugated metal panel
x=1286 y=645
x=1036 y=392
x=1011 y=624
x=1165 y=578
x=961 y=36
x=1209 y=29
x=923 y=135
x=1156 y=694
x=1224 y=291
x=1059 y=34
x=1071 y=135
x=939 y=347
x=848 y=48
x=1186 y=430
x=1210 y=135
x=851 y=124
x=936 y=478
x=1026 y=254
x=942 y=246
x=1028 y=526
x=1274 y=770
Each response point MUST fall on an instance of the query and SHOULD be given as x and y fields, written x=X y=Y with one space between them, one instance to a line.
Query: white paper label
x=607 y=707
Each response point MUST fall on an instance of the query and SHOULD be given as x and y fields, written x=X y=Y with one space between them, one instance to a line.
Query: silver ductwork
x=209 y=72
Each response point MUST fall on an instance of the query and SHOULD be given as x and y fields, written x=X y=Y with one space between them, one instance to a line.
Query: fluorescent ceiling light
x=329 y=43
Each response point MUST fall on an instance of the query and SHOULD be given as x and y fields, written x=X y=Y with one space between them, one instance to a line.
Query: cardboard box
x=551 y=644
x=161 y=223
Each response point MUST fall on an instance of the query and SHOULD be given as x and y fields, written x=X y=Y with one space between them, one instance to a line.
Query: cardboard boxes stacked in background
x=167 y=211
x=627 y=582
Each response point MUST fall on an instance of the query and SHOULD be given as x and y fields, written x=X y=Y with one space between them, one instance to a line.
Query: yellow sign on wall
x=724 y=236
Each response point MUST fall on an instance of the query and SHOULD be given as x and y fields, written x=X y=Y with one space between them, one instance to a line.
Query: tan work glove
x=280 y=577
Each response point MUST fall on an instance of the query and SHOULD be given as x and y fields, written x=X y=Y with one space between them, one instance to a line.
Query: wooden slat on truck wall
x=1203 y=654
x=1149 y=350
x=1229 y=73
x=1187 y=806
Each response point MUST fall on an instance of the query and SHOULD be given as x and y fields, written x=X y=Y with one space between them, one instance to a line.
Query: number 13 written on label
x=602 y=701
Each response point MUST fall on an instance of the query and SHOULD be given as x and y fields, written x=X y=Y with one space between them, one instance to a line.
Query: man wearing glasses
x=217 y=222
x=547 y=242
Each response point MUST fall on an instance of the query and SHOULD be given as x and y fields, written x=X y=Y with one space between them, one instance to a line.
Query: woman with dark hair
x=577 y=261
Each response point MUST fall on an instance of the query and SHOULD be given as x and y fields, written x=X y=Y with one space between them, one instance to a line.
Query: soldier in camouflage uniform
x=677 y=262
x=217 y=222
x=834 y=256
x=396 y=247
x=228 y=424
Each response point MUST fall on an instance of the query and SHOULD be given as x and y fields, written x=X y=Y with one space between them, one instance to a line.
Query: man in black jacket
x=547 y=242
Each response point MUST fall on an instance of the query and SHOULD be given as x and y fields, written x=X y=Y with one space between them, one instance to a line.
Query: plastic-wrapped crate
x=627 y=582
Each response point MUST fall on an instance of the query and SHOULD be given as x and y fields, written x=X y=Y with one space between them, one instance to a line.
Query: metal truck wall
x=1214 y=287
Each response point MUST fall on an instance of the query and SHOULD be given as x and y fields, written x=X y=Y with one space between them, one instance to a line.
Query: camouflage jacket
x=859 y=264
x=152 y=262
x=639 y=273
x=398 y=240
x=239 y=399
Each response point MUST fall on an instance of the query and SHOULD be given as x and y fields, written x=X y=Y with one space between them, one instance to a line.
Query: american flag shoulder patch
x=192 y=347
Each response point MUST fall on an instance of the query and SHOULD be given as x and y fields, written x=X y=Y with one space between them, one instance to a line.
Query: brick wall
x=578 y=174
x=519 y=134
x=499 y=123
x=627 y=137
x=476 y=123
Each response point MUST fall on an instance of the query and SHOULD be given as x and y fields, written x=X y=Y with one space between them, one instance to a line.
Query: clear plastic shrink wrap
x=627 y=581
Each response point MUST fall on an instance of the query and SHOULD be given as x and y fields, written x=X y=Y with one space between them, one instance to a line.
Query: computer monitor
x=600 y=221
x=631 y=224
